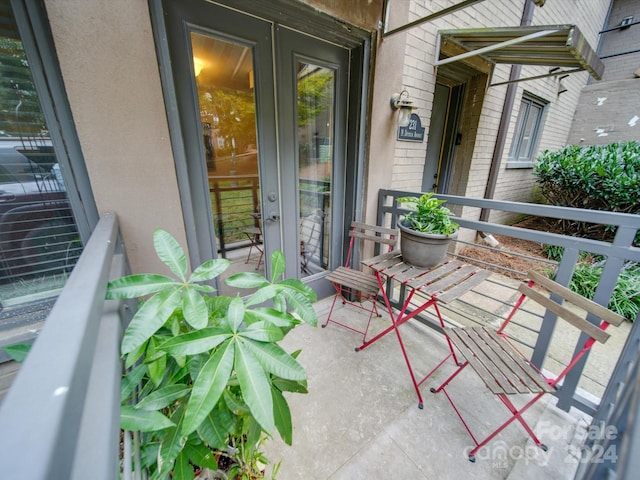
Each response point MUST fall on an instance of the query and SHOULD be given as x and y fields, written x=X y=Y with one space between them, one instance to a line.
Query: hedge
x=599 y=177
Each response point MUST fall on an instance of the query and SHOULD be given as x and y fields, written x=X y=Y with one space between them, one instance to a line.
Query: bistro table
x=440 y=284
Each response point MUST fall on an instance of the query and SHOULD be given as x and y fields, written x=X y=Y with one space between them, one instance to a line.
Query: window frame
x=39 y=47
x=37 y=41
x=527 y=102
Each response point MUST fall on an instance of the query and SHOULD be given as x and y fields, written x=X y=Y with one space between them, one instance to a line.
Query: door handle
x=273 y=217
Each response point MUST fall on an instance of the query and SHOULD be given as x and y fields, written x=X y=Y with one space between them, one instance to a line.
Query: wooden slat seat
x=504 y=370
x=500 y=366
x=353 y=286
x=355 y=279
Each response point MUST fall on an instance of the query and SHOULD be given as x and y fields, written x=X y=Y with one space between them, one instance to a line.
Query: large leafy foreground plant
x=205 y=373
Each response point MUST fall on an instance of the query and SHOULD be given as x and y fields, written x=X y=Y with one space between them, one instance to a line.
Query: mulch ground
x=509 y=246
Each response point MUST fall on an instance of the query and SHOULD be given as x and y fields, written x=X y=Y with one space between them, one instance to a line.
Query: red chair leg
x=340 y=294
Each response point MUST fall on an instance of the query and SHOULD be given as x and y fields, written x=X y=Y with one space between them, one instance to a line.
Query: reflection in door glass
x=224 y=79
x=315 y=106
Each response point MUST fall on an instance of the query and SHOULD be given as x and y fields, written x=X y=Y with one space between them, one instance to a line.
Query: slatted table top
x=446 y=281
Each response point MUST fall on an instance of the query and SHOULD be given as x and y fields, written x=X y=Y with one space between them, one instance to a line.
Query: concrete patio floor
x=360 y=419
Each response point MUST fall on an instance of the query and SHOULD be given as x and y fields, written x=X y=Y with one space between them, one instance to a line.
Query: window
x=42 y=222
x=528 y=130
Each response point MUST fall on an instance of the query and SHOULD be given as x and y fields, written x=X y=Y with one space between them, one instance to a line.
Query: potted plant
x=426 y=231
x=205 y=375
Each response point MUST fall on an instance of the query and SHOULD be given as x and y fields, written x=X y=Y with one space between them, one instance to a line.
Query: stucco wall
x=109 y=67
x=386 y=79
x=363 y=13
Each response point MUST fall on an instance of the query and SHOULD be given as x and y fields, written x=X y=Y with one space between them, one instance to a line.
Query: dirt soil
x=503 y=255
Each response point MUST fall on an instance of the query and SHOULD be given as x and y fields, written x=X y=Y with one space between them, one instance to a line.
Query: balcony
x=360 y=419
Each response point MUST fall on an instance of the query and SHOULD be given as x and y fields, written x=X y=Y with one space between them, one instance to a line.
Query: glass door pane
x=227 y=106
x=315 y=127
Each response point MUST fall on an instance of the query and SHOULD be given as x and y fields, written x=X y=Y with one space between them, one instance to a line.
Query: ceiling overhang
x=561 y=47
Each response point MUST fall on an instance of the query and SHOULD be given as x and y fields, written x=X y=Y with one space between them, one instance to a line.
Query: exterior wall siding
x=419 y=78
x=110 y=69
x=609 y=110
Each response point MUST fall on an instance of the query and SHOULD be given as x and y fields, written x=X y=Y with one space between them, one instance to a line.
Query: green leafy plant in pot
x=426 y=231
x=205 y=375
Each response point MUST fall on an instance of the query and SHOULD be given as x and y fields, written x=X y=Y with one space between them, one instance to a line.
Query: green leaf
x=18 y=352
x=201 y=456
x=193 y=343
x=290 y=385
x=170 y=252
x=301 y=287
x=163 y=397
x=265 y=293
x=208 y=387
x=216 y=427
x=246 y=280
x=300 y=304
x=194 y=309
x=131 y=380
x=201 y=288
x=142 y=420
x=157 y=369
x=134 y=356
x=255 y=387
x=275 y=360
x=235 y=314
x=280 y=303
x=148 y=320
x=271 y=315
x=133 y=286
x=263 y=332
x=282 y=416
x=209 y=270
x=277 y=265
x=235 y=404
x=172 y=443
x=182 y=470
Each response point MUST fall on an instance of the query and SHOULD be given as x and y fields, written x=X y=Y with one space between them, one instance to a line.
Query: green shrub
x=599 y=177
x=553 y=252
x=625 y=299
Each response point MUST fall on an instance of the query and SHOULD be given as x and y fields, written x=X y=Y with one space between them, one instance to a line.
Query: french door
x=263 y=121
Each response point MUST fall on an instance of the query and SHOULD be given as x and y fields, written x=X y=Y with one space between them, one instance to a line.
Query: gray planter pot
x=423 y=250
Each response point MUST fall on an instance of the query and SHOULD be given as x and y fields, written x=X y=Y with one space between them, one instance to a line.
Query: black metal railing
x=235 y=200
x=61 y=417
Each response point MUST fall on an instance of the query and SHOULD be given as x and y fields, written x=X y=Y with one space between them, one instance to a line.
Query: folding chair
x=311 y=236
x=505 y=371
x=254 y=234
x=353 y=286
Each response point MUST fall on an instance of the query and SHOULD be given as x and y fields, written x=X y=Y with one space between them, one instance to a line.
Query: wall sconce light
x=404 y=105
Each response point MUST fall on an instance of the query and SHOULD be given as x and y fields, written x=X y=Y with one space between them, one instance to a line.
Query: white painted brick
x=419 y=79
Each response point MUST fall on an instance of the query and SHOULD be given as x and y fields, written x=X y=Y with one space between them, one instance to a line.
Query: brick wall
x=480 y=121
x=609 y=109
